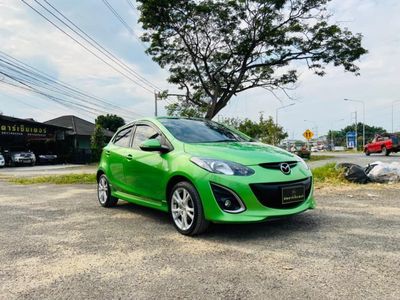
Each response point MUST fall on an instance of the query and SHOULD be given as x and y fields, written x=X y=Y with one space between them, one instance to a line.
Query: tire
x=385 y=152
x=104 y=193
x=367 y=153
x=186 y=209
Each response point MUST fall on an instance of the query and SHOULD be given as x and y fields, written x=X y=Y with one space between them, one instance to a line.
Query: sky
x=319 y=100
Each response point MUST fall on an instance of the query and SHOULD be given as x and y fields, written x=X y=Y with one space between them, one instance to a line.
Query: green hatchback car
x=200 y=171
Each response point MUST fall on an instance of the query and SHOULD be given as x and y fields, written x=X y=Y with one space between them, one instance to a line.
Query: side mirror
x=153 y=145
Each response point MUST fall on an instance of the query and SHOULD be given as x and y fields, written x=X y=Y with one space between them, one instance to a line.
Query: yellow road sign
x=308 y=134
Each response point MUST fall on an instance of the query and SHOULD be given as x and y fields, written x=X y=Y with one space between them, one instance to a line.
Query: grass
x=320 y=157
x=328 y=174
x=57 y=179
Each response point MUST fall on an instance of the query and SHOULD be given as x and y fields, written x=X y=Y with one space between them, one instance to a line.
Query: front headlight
x=222 y=166
x=302 y=162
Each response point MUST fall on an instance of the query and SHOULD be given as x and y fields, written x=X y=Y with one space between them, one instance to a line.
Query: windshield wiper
x=223 y=141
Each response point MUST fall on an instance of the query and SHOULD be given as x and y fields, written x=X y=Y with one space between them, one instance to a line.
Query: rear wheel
x=385 y=151
x=104 y=193
x=186 y=209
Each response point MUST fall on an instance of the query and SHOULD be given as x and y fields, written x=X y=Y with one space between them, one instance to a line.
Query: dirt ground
x=58 y=243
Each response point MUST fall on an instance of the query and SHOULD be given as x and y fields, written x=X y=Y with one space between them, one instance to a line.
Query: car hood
x=246 y=153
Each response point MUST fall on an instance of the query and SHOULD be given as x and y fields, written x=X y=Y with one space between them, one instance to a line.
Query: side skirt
x=141 y=201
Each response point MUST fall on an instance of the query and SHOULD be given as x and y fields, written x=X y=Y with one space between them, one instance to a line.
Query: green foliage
x=339 y=137
x=328 y=174
x=110 y=122
x=97 y=142
x=320 y=157
x=185 y=109
x=264 y=130
x=217 y=49
x=57 y=179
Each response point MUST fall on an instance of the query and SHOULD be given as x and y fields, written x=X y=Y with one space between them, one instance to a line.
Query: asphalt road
x=58 y=243
x=45 y=170
x=355 y=158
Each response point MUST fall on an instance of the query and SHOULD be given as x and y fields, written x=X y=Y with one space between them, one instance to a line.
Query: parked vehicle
x=2 y=161
x=385 y=144
x=47 y=159
x=200 y=172
x=23 y=158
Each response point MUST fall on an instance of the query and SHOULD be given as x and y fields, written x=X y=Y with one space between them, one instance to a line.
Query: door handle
x=129 y=157
x=108 y=152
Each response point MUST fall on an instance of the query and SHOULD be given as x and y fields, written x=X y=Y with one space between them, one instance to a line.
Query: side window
x=123 y=137
x=144 y=132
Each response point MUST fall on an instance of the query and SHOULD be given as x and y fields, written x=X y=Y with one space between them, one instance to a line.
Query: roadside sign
x=308 y=134
x=351 y=139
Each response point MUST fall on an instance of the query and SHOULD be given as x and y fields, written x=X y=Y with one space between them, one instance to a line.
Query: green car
x=202 y=172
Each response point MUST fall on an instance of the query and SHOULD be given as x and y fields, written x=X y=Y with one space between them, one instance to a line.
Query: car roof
x=152 y=119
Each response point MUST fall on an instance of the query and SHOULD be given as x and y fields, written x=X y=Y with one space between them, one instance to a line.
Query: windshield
x=202 y=131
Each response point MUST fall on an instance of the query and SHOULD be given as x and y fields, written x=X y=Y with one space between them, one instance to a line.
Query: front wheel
x=104 y=193
x=186 y=209
x=367 y=153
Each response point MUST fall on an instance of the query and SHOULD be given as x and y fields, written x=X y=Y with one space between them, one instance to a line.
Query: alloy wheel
x=103 y=190
x=182 y=208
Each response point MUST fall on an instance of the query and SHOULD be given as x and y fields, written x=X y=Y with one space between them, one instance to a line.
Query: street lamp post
x=278 y=109
x=276 y=117
x=393 y=103
x=363 y=103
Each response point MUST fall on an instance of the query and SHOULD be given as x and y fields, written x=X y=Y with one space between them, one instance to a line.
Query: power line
x=86 y=48
x=124 y=23
x=25 y=75
x=63 y=102
x=131 y=4
x=103 y=50
x=37 y=72
x=44 y=89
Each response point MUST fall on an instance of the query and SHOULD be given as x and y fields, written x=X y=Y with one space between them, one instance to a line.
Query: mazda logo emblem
x=285 y=168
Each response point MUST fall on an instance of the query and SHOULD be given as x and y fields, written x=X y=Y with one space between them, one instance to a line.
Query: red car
x=385 y=144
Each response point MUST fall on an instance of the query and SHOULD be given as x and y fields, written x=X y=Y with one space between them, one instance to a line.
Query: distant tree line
x=339 y=136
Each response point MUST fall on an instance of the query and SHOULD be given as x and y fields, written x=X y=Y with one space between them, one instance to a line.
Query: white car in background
x=2 y=161
x=22 y=158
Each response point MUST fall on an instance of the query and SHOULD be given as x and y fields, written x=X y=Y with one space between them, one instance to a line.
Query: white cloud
x=29 y=38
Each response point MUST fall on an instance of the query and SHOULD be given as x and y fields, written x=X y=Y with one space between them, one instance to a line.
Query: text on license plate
x=292 y=194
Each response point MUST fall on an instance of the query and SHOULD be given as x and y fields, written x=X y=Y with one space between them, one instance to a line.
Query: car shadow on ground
x=305 y=222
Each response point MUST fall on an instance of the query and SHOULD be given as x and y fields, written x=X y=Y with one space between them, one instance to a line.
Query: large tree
x=215 y=49
x=264 y=130
x=110 y=122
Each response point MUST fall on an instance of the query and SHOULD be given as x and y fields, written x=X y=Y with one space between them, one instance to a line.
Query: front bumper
x=23 y=160
x=241 y=185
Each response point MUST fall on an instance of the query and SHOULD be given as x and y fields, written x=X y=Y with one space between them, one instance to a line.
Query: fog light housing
x=227 y=200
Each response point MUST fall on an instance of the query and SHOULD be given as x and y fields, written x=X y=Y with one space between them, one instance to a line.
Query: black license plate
x=293 y=194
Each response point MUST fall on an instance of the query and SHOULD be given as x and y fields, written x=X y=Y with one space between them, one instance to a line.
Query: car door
x=146 y=172
x=117 y=152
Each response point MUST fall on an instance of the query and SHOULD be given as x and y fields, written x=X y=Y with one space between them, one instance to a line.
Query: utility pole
x=155 y=104
x=355 y=128
x=363 y=103
x=158 y=96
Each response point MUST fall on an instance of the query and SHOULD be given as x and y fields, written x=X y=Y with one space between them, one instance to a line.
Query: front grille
x=277 y=165
x=270 y=194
